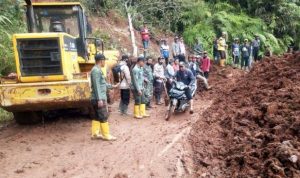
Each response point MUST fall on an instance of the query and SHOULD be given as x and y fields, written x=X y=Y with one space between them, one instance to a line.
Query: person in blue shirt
x=256 y=47
x=236 y=52
x=186 y=76
x=165 y=50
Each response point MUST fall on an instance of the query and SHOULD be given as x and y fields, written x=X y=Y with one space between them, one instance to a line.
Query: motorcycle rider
x=186 y=76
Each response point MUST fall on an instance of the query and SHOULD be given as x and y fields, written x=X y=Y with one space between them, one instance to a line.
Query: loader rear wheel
x=27 y=118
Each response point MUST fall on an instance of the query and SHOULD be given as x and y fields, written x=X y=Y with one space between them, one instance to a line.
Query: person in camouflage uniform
x=99 y=101
x=138 y=89
x=148 y=75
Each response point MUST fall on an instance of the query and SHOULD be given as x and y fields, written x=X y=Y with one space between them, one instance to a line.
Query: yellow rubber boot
x=222 y=62
x=105 y=132
x=143 y=110
x=137 y=112
x=96 y=130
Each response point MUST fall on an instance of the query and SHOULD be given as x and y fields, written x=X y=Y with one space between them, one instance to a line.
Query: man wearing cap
x=185 y=76
x=99 y=101
x=124 y=85
x=245 y=53
x=138 y=89
x=222 y=49
x=148 y=76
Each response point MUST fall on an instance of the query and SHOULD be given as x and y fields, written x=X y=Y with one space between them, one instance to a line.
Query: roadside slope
x=254 y=126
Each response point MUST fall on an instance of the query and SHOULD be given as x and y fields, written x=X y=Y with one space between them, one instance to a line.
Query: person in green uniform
x=138 y=89
x=99 y=101
x=148 y=74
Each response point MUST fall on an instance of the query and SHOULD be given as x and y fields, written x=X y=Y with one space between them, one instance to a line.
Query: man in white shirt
x=182 y=50
x=124 y=85
x=159 y=75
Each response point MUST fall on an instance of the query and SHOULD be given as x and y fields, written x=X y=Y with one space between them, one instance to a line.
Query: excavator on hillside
x=53 y=61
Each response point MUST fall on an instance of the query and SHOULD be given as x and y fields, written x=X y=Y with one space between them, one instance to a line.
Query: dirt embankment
x=252 y=129
x=113 y=28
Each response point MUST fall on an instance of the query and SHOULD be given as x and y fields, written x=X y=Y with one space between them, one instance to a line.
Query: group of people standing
x=149 y=78
x=241 y=51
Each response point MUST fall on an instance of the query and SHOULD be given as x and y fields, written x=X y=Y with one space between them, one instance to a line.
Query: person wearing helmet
x=99 y=101
x=186 y=76
x=222 y=46
x=236 y=52
x=139 y=89
x=245 y=53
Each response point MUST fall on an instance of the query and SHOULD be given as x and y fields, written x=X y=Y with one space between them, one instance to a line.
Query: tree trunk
x=134 y=47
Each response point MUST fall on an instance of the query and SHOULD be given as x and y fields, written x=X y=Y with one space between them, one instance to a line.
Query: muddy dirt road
x=145 y=148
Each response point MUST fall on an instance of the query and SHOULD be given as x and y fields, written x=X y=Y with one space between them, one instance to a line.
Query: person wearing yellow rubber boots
x=222 y=46
x=138 y=89
x=99 y=101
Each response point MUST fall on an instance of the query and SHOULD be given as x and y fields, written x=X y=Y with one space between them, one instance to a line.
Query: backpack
x=116 y=71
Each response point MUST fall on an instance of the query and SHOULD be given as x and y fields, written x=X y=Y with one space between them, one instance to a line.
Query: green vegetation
x=276 y=22
x=11 y=21
x=5 y=116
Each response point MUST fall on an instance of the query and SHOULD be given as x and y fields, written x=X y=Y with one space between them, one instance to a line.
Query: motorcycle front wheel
x=169 y=113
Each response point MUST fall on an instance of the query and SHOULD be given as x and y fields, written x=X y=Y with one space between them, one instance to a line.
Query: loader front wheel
x=28 y=118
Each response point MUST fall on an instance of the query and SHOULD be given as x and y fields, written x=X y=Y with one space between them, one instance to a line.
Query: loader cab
x=60 y=18
x=58 y=46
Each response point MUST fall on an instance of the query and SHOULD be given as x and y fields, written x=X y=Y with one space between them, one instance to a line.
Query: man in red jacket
x=145 y=38
x=205 y=64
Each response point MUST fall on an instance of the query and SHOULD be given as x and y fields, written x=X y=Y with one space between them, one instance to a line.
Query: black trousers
x=181 y=58
x=125 y=96
x=206 y=75
x=99 y=114
x=255 y=53
x=188 y=93
x=158 y=88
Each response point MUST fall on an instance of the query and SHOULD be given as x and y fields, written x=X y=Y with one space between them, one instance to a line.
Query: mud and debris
x=252 y=128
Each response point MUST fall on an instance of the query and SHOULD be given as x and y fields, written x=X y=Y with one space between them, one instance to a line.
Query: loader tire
x=28 y=118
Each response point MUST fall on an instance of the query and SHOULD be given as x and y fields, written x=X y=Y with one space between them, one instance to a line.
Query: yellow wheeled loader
x=53 y=61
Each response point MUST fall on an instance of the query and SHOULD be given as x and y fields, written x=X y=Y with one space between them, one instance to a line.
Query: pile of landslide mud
x=253 y=128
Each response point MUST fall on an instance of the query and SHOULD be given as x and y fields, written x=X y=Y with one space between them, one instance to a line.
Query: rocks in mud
x=120 y=175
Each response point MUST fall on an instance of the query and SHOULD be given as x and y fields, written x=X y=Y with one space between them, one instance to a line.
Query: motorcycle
x=178 y=101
